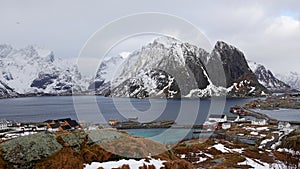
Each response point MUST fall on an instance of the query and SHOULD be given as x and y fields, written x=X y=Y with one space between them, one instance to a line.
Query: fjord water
x=36 y=109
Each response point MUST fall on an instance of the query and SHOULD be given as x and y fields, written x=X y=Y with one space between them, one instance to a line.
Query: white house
x=259 y=122
x=217 y=118
x=226 y=126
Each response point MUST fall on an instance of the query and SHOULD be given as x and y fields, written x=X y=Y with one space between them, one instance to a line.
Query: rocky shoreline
x=287 y=101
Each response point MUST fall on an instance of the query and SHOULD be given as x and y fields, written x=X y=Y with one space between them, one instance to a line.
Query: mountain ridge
x=166 y=67
x=267 y=78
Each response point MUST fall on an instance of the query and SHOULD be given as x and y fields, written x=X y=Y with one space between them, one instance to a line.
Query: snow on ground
x=255 y=164
x=224 y=149
x=289 y=151
x=133 y=164
x=262 y=128
x=209 y=155
x=267 y=140
x=254 y=133
x=264 y=142
x=201 y=159
x=256 y=129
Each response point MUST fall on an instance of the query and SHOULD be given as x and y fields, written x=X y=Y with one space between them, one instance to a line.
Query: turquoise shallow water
x=173 y=136
x=164 y=137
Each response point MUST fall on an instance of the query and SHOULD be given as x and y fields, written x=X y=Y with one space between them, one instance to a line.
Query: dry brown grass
x=3 y=164
x=135 y=147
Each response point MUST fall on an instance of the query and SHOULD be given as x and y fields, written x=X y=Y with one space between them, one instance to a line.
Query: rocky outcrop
x=25 y=152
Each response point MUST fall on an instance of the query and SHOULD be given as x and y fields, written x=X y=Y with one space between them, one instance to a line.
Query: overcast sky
x=266 y=31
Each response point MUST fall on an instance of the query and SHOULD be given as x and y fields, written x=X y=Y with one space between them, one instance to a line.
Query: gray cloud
x=267 y=31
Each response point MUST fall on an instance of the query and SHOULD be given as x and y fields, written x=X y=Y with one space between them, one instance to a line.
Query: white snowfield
x=262 y=165
x=133 y=164
x=224 y=149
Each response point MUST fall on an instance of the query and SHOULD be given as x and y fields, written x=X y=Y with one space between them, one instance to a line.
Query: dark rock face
x=197 y=68
x=96 y=84
x=234 y=63
x=43 y=80
x=236 y=71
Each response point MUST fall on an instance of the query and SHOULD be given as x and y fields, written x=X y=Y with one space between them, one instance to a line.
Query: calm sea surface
x=95 y=108
x=100 y=109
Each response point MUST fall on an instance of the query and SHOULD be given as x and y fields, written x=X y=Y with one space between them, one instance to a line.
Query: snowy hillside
x=266 y=78
x=6 y=91
x=292 y=79
x=36 y=70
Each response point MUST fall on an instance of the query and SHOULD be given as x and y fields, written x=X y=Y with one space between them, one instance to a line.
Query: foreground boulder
x=24 y=152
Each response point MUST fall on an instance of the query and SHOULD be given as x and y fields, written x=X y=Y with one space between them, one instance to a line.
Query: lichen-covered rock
x=74 y=140
x=24 y=152
x=103 y=136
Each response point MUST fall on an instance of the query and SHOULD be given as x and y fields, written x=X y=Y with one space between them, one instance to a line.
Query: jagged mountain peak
x=167 y=41
x=267 y=78
x=223 y=45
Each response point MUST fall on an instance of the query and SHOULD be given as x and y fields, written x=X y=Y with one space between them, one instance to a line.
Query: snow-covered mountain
x=240 y=80
x=165 y=67
x=292 y=79
x=195 y=71
x=6 y=91
x=34 y=70
x=266 y=78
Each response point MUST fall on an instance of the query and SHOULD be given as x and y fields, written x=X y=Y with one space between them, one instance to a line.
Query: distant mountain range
x=267 y=78
x=292 y=79
x=33 y=70
x=165 y=67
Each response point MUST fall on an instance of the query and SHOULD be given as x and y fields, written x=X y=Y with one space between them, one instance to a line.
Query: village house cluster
x=66 y=124
x=10 y=129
